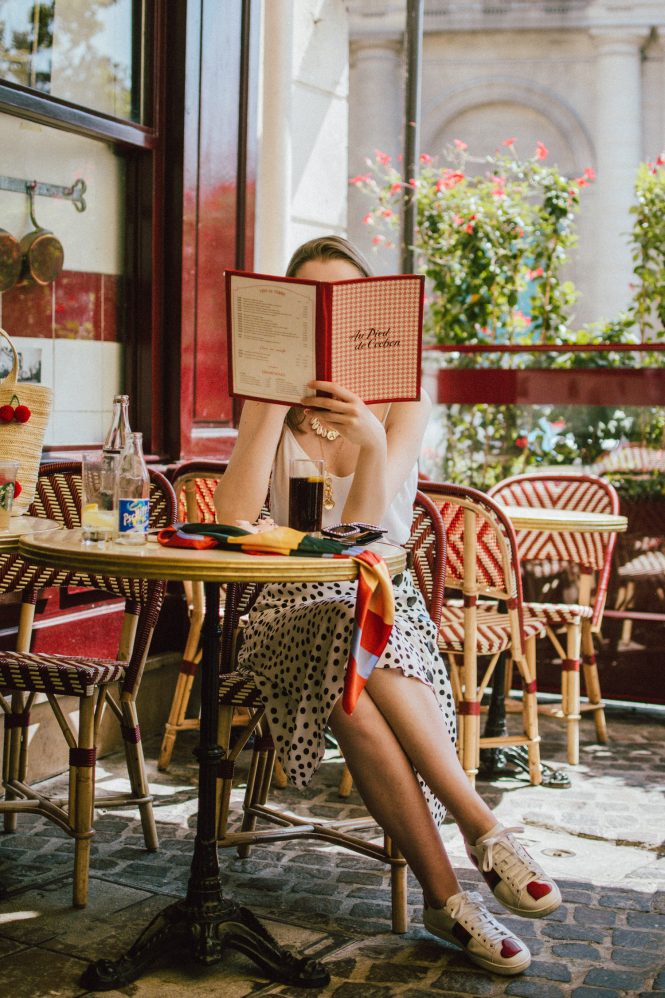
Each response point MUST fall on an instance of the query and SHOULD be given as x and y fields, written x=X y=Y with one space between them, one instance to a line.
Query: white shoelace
x=467 y=908
x=512 y=860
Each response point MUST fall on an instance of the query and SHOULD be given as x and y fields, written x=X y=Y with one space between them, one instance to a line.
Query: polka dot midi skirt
x=296 y=645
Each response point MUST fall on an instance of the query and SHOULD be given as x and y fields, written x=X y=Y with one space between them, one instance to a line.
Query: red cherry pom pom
x=22 y=414
x=6 y=413
x=18 y=488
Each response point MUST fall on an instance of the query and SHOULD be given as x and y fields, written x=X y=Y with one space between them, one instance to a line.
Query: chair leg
x=137 y=775
x=398 y=887
x=570 y=692
x=225 y=770
x=530 y=710
x=185 y=679
x=258 y=782
x=82 y=796
x=345 y=783
x=592 y=683
x=13 y=749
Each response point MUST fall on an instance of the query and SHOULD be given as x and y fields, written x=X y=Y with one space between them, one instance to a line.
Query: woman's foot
x=513 y=876
x=465 y=921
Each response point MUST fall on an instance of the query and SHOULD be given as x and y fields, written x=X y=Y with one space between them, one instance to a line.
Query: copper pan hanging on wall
x=43 y=254
x=10 y=260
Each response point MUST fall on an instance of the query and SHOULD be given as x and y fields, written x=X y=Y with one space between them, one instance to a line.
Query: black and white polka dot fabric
x=296 y=645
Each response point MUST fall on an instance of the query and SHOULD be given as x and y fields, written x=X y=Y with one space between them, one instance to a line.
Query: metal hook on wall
x=74 y=193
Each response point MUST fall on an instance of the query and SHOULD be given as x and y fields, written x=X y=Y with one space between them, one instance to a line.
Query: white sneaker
x=465 y=921
x=513 y=876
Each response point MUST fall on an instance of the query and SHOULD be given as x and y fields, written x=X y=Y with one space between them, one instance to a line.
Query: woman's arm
x=386 y=455
x=242 y=491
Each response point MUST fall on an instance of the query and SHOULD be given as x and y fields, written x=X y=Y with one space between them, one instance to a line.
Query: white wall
x=303 y=144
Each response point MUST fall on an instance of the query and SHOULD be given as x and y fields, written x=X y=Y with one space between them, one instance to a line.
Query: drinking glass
x=306 y=494
x=8 y=471
x=99 y=499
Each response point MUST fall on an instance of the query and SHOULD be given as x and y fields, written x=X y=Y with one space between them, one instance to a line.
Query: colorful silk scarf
x=375 y=600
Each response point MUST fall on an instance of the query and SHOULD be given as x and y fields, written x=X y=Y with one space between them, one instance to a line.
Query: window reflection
x=81 y=51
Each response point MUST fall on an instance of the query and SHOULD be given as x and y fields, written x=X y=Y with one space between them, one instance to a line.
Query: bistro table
x=494 y=760
x=204 y=920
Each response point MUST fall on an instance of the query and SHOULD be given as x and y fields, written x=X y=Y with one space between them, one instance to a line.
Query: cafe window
x=90 y=54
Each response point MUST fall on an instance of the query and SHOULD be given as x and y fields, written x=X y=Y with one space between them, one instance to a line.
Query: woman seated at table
x=399 y=741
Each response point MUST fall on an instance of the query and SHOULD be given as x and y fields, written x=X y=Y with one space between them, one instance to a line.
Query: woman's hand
x=347 y=413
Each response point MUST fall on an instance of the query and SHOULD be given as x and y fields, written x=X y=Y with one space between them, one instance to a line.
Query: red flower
x=22 y=414
x=367 y=219
x=558 y=424
x=396 y=187
x=532 y=274
x=425 y=158
x=382 y=157
x=450 y=179
x=509 y=142
x=589 y=173
x=6 y=413
x=377 y=240
x=18 y=488
x=459 y=144
x=387 y=213
x=542 y=151
x=362 y=178
x=521 y=442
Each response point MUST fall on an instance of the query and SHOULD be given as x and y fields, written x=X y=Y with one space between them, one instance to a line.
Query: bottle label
x=134 y=516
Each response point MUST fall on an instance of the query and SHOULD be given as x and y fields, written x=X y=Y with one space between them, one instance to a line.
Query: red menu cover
x=283 y=332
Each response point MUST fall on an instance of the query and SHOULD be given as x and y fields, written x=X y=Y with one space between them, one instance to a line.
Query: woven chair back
x=195 y=483
x=631 y=458
x=587 y=493
x=58 y=497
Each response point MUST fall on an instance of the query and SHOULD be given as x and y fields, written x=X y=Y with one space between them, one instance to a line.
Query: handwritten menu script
x=283 y=332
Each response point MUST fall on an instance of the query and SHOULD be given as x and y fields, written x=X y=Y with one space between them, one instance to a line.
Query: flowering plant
x=492 y=236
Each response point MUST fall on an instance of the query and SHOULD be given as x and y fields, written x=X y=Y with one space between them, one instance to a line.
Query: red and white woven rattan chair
x=482 y=561
x=237 y=689
x=587 y=559
x=24 y=675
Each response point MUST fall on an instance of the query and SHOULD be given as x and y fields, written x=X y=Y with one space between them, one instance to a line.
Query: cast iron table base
x=205 y=923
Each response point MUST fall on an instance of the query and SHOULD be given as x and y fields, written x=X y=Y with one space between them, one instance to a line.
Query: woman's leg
x=383 y=775
x=410 y=709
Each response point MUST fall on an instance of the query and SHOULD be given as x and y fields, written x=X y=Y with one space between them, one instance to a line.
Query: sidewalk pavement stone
x=601 y=840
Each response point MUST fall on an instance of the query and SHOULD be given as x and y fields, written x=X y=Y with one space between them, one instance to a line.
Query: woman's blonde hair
x=322 y=248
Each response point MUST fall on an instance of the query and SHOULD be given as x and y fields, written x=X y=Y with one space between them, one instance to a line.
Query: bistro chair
x=568 y=556
x=194 y=484
x=24 y=675
x=426 y=547
x=488 y=621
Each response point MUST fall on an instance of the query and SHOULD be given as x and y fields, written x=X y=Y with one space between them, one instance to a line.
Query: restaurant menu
x=283 y=332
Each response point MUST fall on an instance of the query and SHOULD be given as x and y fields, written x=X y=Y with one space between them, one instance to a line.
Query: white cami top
x=396 y=520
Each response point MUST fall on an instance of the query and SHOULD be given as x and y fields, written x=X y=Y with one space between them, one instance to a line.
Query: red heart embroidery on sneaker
x=510 y=947
x=538 y=890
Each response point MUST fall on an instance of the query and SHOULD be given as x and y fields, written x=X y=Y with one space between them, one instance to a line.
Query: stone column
x=274 y=177
x=619 y=125
x=375 y=122
x=653 y=82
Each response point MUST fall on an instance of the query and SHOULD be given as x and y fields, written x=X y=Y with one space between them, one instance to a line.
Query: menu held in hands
x=364 y=334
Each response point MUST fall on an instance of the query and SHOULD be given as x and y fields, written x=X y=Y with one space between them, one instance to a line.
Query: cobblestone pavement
x=601 y=839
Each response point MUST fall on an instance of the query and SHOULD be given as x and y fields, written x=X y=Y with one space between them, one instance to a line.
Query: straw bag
x=22 y=441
